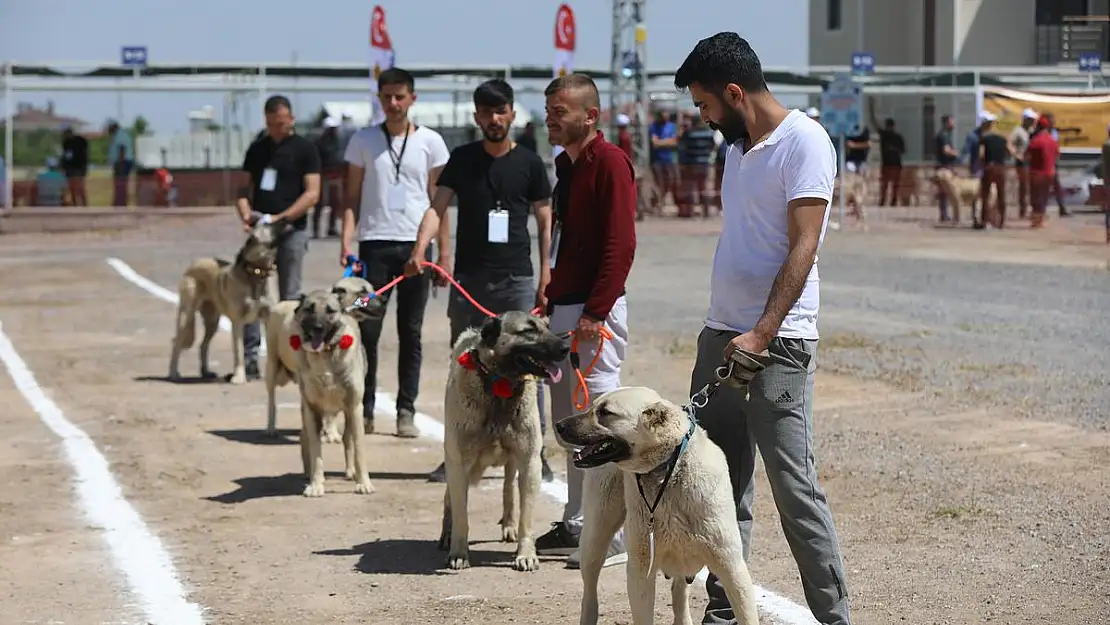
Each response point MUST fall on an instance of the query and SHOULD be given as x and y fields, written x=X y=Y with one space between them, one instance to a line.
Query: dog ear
x=656 y=414
x=491 y=330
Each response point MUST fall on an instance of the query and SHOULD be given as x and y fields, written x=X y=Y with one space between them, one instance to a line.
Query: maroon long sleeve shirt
x=595 y=206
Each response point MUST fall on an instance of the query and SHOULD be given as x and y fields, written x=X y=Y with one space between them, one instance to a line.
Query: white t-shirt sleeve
x=354 y=154
x=810 y=169
x=437 y=152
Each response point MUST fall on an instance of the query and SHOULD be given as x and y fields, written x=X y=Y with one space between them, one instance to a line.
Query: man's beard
x=575 y=132
x=495 y=136
x=732 y=127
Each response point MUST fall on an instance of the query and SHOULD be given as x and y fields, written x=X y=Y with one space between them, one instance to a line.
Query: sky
x=424 y=32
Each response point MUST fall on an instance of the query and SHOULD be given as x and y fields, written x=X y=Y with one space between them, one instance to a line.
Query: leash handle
x=352 y=262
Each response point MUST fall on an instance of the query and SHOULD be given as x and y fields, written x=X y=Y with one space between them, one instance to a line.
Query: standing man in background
x=764 y=295
x=695 y=151
x=121 y=156
x=944 y=151
x=664 y=160
x=624 y=136
x=1019 y=139
x=994 y=151
x=1057 y=190
x=392 y=172
x=527 y=137
x=1041 y=156
x=284 y=170
x=499 y=184
x=75 y=165
x=594 y=242
x=892 y=146
x=328 y=145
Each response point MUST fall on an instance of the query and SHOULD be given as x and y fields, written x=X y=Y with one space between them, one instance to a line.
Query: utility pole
x=628 y=76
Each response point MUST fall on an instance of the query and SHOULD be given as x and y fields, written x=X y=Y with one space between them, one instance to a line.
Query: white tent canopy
x=435 y=114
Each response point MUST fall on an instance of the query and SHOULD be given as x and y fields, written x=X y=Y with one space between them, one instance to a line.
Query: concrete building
x=952 y=33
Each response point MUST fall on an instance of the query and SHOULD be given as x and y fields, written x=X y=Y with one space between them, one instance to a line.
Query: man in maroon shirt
x=593 y=243
x=1041 y=156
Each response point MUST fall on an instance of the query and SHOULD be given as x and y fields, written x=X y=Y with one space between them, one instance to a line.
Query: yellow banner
x=1080 y=120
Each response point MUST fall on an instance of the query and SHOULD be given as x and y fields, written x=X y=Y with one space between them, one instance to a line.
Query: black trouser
x=384 y=261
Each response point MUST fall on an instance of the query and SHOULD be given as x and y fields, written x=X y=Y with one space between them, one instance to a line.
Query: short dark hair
x=275 y=103
x=494 y=93
x=397 y=76
x=576 y=82
x=944 y=119
x=889 y=121
x=720 y=60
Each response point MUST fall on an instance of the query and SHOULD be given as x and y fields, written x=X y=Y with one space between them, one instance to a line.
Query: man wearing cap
x=332 y=167
x=1056 y=188
x=970 y=152
x=946 y=158
x=1019 y=140
x=624 y=137
x=1041 y=156
x=994 y=151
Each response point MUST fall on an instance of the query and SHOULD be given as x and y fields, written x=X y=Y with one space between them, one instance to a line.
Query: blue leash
x=353 y=260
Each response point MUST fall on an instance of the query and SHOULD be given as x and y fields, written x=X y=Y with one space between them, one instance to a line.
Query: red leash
x=580 y=388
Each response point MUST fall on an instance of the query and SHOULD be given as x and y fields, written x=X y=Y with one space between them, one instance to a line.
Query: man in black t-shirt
x=499 y=184
x=891 y=148
x=75 y=165
x=284 y=170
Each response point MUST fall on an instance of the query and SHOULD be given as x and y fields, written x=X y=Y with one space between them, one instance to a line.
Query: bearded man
x=498 y=184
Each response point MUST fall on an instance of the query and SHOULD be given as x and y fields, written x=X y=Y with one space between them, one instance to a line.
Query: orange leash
x=580 y=388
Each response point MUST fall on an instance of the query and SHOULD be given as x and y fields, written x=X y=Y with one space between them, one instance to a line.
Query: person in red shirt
x=1041 y=156
x=624 y=137
x=593 y=243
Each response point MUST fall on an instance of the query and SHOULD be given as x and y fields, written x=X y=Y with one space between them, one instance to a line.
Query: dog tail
x=186 y=311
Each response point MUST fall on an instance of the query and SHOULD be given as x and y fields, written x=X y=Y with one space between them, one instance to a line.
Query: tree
x=140 y=127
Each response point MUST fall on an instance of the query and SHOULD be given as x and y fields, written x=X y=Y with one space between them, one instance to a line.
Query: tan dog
x=491 y=419
x=331 y=374
x=281 y=359
x=961 y=190
x=693 y=524
x=216 y=288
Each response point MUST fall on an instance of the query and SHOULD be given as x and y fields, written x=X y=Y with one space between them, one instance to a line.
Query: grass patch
x=846 y=340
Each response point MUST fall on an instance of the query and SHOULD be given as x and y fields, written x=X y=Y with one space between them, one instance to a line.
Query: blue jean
x=292 y=248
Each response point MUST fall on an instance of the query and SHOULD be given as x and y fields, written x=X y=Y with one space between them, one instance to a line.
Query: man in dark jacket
x=328 y=145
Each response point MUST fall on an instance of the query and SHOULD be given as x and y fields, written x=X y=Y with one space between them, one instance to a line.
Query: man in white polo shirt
x=764 y=296
x=392 y=169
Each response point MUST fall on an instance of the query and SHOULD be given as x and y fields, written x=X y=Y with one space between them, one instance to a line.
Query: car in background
x=1077 y=185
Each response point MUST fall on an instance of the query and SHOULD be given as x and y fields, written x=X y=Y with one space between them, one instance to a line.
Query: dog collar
x=496 y=385
x=672 y=462
x=345 y=342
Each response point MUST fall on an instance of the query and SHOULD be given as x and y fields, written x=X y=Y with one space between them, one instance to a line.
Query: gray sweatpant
x=292 y=248
x=605 y=376
x=776 y=418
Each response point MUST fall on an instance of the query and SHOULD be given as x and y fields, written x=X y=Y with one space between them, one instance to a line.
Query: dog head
x=632 y=427
x=515 y=344
x=257 y=258
x=353 y=297
x=321 y=316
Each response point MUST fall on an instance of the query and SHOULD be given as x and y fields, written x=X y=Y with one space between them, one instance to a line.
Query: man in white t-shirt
x=392 y=169
x=764 y=296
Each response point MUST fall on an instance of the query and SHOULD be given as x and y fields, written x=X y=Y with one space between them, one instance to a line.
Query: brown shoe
x=368 y=425
x=406 y=428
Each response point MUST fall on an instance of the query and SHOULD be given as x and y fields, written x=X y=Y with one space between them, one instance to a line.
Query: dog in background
x=633 y=440
x=216 y=288
x=281 y=358
x=491 y=419
x=330 y=371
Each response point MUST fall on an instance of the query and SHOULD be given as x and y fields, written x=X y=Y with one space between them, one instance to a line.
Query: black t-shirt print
x=290 y=159
x=481 y=182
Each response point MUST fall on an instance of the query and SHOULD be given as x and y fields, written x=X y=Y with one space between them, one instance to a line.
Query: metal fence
x=204 y=159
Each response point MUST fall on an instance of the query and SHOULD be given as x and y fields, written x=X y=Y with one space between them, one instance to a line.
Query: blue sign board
x=842 y=107
x=1090 y=62
x=863 y=62
x=133 y=56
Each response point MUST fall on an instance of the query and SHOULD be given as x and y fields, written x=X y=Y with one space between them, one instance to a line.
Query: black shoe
x=545 y=469
x=439 y=475
x=559 y=541
x=252 y=370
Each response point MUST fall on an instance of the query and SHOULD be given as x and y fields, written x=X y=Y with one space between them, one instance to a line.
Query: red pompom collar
x=498 y=386
x=345 y=342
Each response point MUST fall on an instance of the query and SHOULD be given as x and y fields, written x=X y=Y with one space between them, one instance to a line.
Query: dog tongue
x=556 y=373
x=317 y=344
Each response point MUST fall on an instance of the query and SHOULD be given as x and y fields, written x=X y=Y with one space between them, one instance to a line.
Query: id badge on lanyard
x=397 y=196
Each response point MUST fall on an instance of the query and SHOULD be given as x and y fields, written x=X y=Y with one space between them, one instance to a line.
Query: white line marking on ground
x=773 y=604
x=137 y=552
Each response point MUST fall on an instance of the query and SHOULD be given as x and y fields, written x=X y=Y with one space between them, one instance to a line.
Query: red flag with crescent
x=379 y=35
x=564 y=28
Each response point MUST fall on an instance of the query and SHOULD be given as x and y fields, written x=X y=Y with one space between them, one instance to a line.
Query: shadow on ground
x=413 y=557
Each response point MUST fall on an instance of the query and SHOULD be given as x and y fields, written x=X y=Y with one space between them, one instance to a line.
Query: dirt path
x=945 y=517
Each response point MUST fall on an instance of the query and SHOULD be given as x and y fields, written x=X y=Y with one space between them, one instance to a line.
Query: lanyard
x=395 y=156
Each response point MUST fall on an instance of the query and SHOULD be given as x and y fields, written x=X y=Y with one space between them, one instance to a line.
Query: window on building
x=1053 y=12
x=834 y=15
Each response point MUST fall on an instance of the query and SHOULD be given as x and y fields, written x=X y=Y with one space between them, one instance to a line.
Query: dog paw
x=364 y=487
x=173 y=376
x=239 y=377
x=457 y=562
x=508 y=534
x=314 y=489
x=526 y=562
